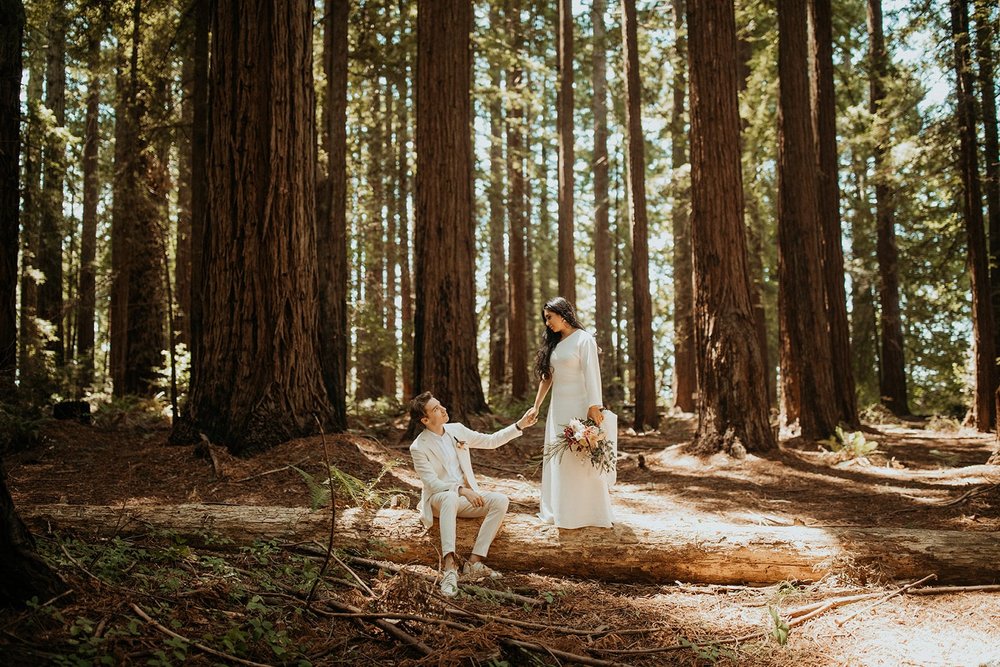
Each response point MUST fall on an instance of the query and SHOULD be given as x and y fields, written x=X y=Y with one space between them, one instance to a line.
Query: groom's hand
x=474 y=498
x=529 y=418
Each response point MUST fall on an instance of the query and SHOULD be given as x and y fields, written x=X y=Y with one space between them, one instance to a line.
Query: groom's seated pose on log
x=441 y=458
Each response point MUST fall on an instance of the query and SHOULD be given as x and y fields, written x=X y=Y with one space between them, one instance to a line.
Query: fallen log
x=654 y=551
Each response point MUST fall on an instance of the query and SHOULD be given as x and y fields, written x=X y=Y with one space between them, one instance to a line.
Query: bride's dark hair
x=565 y=310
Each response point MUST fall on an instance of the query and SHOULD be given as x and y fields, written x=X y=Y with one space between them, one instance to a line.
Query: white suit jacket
x=428 y=460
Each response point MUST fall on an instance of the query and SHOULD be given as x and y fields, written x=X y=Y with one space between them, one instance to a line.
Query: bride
x=574 y=493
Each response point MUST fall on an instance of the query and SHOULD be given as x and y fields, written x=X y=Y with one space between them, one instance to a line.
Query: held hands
x=529 y=418
x=595 y=413
x=474 y=498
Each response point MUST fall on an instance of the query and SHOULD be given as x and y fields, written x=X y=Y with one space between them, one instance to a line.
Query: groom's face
x=437 y=414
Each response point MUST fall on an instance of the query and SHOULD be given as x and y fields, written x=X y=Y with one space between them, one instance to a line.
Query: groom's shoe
x=449 y=583
x=478 y=570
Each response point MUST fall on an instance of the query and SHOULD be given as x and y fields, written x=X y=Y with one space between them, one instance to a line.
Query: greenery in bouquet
x=586 y=440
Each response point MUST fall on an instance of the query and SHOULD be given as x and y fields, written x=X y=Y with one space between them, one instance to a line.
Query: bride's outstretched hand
x=530 y=417
x=595 y=413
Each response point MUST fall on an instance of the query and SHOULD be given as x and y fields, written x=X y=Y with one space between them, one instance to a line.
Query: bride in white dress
x=574 y=493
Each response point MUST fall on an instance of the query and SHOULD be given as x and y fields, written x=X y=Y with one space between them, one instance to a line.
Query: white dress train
x=574 y=493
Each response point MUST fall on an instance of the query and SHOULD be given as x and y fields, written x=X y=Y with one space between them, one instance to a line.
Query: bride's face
x=555 y=321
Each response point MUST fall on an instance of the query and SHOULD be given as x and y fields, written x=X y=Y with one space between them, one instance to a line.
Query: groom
x=441 y=458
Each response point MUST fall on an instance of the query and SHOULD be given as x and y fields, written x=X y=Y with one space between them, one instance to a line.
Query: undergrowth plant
x=361 y=493
x=850 y=444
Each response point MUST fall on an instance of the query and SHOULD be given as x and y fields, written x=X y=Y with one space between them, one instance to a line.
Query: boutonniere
x=460 y=444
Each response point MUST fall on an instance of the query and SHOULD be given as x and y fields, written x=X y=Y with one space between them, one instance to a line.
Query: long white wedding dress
x=574 y=493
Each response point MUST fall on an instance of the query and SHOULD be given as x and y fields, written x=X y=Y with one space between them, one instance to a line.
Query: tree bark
x=646 y=414
x=732 y=397
x=31 y=368
x=199 y=179
x=444 y=239
x=654 y=552
x=260 y=381
x=864 y=331
x=49 y=258
x=332 y=231
x=91 y=194
x=602 y=231
x=892 y=369
x=824 y=122
x=182 y=252
x=403 y=170
x=807 y=363
x=567 y=158
x=983 y=406
x=517 y=323
x=12 y=19
x=498 y=252
x=685 y=388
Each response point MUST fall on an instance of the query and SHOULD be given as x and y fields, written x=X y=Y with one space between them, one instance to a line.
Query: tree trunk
x=646 y=414
x=892 y=370
x=182 y=253
x=91 y=194
x=332 y=231
x=444 y=239
x=49 y=259
x=518 y=317
x=653 y=552
x=732 y=397
x=864 y=331
x=260 y=381
x=602 y=231
x=23 y=573
x=824 y=122
x=405 y=282
x=983 y=406
x=986 y=34
x=199 y=179
x=11 y=41
x=567 y=159
x=807 y=362
x=498 y=260
x=30 y=367
x=685 y=388
x=391 y=361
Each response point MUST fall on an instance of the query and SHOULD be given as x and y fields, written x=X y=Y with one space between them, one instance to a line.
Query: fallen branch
x=385 y=626
x=201 y=647
x=888 y=596
x=290 y=466
x=944 y=590
x=400 y=617
x=456 y=611
x=556 y=653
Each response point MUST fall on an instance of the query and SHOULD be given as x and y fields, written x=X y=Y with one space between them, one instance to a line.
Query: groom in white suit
x=441 y=459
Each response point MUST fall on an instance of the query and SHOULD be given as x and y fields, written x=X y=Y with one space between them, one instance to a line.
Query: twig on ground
x=457 y=611
x=201 y=647
x=354 y=574
x=81 y=567
x=950 y=503
x=392 y=616
x=829 y=604
x=385 y=626
x=555 y=653
x=944 y=590
x=333 y=519
x=885 y=597
x=271 y=472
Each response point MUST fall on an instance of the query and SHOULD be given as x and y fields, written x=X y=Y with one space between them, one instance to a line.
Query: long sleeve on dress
x=591 y=371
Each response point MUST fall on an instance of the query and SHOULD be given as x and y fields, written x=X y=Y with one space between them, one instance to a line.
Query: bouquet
x=588 y=441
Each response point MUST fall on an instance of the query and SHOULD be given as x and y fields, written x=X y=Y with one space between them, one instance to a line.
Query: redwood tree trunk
x=331 y=232
x=260 y=381
x=983 y=406
x=49 y=259
x=824 y=120
x=807 y=362
x=11 y=39
x=403 y=169
x=498 y=252
x=199 y=178
x=564 y=123
x=444 y=239
x=892 y=370
x=30 y=367
x=516 y=201
x=602 y=230
x=732 y=397
x=645 y=379
x=685 y=361
x=91 y=194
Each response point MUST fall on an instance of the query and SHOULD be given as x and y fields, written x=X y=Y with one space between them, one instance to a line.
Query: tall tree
x=11 y=40
x=403 y=177
x=260 y=382
x=685 y=361
x=892 y=369
x=983 y=405
x=567 y=158
x=824 y=123
x=517 y=323
x=986 y=34
x=331 y=232
x=806 y=362
x=91 y=194
x=602 y=230
x=49 y=258
x=444 y=238
x=30 y=367
x=732 y=397
x=646 y=414
x=199 y=177
x=498 y=251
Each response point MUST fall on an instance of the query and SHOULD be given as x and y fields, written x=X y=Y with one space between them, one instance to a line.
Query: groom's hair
x=418 y=406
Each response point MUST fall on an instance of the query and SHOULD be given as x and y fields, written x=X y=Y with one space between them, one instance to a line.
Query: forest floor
x=257 y=605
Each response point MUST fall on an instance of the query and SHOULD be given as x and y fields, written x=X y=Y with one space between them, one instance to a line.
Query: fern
x=360 y=492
